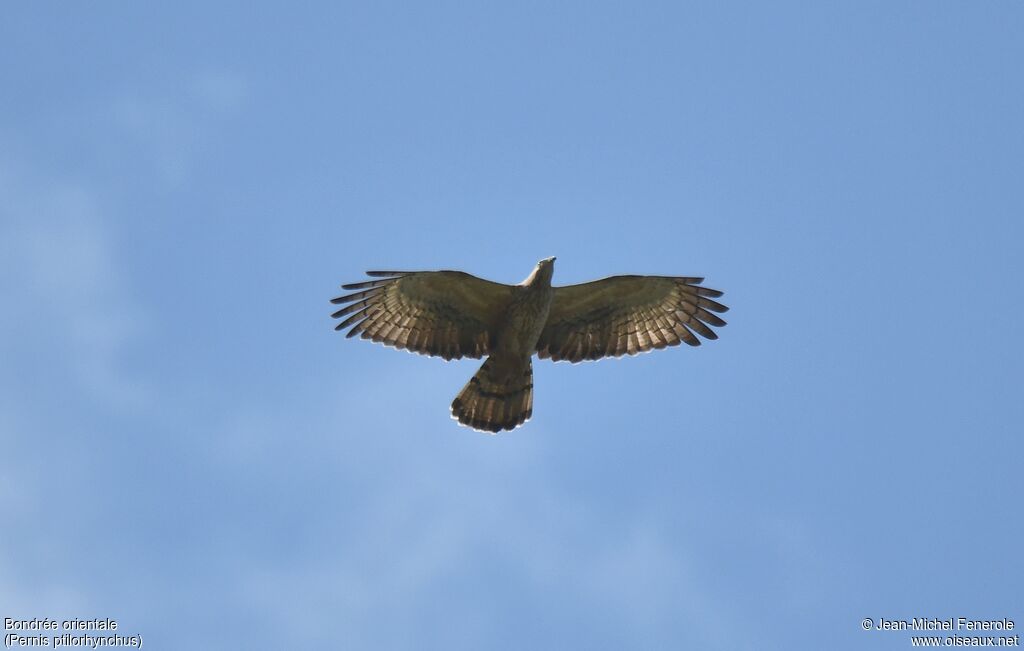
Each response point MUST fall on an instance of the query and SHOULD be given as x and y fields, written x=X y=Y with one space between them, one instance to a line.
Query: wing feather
x=626 y=315
x=449 y=314
x=367 y=284
x=358 y=306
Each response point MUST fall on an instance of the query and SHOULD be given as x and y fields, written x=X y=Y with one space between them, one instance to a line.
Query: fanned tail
x=498 y=397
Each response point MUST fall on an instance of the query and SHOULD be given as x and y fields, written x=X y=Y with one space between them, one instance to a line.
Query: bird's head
x=542 y=272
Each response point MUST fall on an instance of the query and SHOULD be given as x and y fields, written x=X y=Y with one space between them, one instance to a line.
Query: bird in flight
x=452 y=314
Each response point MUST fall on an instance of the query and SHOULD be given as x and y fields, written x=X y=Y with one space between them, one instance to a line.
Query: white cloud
x=171 y=124
x=64 y=288
x=425 y=516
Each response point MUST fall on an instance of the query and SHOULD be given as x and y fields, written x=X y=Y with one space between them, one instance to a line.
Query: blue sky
x=189 y=447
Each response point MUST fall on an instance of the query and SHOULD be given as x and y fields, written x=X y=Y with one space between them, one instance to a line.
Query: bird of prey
x=452 y=314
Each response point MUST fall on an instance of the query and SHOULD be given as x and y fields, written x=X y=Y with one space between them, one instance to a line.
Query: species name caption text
x=951 y=631
x=66 y=633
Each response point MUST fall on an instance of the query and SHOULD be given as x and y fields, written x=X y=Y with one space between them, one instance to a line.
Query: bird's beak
x=551 y=259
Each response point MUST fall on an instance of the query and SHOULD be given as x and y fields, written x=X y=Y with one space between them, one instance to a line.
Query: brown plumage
x=499 y=396
x=452 y=314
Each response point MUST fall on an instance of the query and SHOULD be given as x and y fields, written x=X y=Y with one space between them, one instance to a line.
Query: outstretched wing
x=626 y=315
x=450 y=314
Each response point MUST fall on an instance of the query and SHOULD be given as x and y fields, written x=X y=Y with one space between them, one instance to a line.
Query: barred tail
x=499 y=396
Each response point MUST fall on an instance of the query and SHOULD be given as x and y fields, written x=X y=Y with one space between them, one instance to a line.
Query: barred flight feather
x=629 y=315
